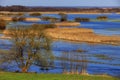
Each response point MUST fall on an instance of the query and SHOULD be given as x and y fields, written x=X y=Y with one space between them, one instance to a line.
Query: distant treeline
x=18 y=8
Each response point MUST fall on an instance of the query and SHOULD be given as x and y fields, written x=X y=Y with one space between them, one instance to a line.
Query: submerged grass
x=33 y=76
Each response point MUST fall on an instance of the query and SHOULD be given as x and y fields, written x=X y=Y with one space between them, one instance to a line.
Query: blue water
x=104 y=28
x=101 y=27
x=91 y=16
x=108 y=65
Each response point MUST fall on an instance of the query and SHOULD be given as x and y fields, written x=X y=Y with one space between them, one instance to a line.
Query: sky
x=98 y=3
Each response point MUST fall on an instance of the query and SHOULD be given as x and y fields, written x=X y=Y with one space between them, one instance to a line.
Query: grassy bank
x=33 y=76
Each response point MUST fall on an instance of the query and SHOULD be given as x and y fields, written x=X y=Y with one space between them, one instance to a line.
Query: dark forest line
x=18 y=8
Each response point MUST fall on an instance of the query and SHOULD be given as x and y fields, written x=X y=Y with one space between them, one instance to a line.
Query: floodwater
x=98 y=58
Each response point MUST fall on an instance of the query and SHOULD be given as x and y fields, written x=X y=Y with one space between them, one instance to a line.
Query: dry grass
x=82 y=35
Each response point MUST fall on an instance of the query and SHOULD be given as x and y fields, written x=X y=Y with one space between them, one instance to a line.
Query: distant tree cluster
x=18 y=8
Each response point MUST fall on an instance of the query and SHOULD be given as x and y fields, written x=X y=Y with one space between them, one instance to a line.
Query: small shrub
x=20 y=14
x=14 y=19
x=82 y=19
x=47 y=18
x=2 y=24
x=102 y=18
x=43 y=26
x=21 y=19
x=63 y=17
x=35 y=14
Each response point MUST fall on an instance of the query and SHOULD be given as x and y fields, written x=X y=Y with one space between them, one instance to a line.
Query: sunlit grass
x=33 y=76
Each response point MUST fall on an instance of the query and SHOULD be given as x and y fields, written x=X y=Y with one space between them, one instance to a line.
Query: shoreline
x=57 y=12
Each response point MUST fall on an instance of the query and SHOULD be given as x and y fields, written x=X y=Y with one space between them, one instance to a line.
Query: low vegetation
x=82 y=19
x=32 y=76
x=47 y=18
x=11 y=14
x=2 y=24
x=21 y=19
x=102 y=18
x=15 y=19
x=67 y=24
x=82 y=35
x=35 y=14
x=103 y=57
x=43 y=26
x=63 y=17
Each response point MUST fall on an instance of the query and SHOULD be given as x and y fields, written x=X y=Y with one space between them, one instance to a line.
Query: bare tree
x=30 y=46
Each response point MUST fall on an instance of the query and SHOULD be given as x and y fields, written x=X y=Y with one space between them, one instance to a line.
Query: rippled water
x=108 y=64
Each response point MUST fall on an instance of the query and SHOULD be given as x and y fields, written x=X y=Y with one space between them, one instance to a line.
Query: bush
x=14 y=19
x=82 y=19
x=43 y=26
x=21 y=19
x=20 y=14
x=2 y=24
x=47 y=18
x=35 y=14
x=63 y=17
x=102 y=18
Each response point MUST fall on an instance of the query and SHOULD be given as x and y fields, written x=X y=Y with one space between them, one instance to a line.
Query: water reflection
x=73 y=62
x=79 y=58
x=95 y=59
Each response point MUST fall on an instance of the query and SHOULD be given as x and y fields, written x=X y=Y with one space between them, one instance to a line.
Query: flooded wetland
x=71 y=57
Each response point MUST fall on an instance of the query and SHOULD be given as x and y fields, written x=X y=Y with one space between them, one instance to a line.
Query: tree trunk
x=24 y=69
